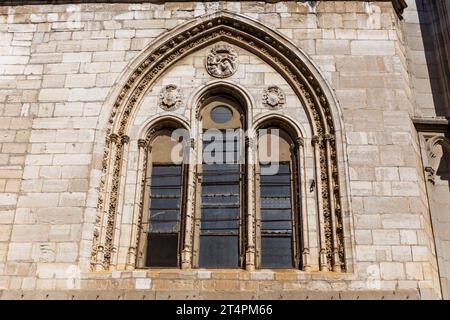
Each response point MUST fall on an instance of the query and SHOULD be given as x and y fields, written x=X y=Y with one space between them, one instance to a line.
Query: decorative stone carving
x=170 y=98
x=222 y=61
x=273 y=97
x=436 y=146
x=255 y=38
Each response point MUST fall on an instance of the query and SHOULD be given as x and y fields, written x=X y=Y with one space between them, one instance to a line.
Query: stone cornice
x=432 y=124
x=399 y=5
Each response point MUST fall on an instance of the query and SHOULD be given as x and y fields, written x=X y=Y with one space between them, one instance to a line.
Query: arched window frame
x=320 y=102
x=211 y=99
x=161 y=128
x=300 y=236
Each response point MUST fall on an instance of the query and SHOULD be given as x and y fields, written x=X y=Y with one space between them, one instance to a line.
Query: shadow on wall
x=434 y=18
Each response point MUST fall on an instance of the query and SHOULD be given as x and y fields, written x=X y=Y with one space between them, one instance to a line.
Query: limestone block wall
x=60 y=63
x=425 y=29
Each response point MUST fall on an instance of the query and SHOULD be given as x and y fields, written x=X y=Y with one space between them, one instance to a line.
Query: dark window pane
x=159 y=170
x=162 y=250
x=221 y=114
x=219 y=252
x=279 y=225
x=157 y=192
x=276 y=218
x=163 y=227
x=164 y=215
x=214 y=226
x=276 y=252
x=282 y=167
x=220 y=212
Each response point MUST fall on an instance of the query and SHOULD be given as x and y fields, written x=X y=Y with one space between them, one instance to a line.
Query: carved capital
x=436 y=147
x=113 y=137
x=124 y=139
x=142 y=143
x=316 y=139
x=328 y=137
x=250 y=142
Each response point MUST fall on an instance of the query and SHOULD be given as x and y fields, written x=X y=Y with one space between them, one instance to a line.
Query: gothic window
x=163 y=221
x=278 y=205
x=220 y=188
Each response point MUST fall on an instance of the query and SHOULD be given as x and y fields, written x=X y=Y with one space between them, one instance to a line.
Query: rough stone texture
x=59 y=64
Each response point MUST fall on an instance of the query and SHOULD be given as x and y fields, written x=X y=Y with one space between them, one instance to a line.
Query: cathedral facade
x=225 y=149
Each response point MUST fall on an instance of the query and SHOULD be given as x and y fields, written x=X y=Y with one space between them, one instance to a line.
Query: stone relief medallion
x=273 y=97
x=170 y=97
x=222 y=61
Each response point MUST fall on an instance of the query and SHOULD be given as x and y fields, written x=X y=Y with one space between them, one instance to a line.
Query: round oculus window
x=221 y=114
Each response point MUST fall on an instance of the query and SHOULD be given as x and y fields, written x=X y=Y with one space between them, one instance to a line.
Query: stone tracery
x=272 y=49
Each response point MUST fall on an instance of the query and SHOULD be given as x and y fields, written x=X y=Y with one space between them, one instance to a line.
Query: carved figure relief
x=222 y=61
x=170 y=97
x=273 y=97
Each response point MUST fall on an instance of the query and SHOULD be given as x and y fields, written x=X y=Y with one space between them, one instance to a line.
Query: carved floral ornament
x=170 y=98
x=271 y=48
x=222 y=61
x=273 y=97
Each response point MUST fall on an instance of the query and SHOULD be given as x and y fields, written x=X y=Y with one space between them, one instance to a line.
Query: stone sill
x=228 y=274
x=209 y=295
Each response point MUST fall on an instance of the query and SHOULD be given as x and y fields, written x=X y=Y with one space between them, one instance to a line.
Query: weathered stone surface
x=59 y=81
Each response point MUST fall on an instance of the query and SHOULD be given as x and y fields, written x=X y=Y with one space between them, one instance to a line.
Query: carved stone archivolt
x=273 y=97
x=273 y=49
x=222 y=61
x=170 y=98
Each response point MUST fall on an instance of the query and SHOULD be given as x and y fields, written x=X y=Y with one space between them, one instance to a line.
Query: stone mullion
x=251 y=214
x=257 y=192
x=336 y=265
x=137 y=208
x=323 y=261
x=197 y=193
x=144 y=213
x=112 y=140
x=116 y=223
x=187 y=253
x=301 y=178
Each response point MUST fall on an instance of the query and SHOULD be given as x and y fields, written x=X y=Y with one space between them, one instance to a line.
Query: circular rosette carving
x=170 y=98
x=273 y=97
x=222 y=61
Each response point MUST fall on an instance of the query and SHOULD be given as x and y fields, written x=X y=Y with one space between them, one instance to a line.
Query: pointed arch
x=297 y=69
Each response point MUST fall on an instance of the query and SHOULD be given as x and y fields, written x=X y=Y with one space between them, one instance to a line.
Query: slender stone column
x=137 y=208
x=112 y=141
x=301 y=178
x=116 y=223
x=186 y=255
x=336 y=261
x=251 y=214
x=316 y=142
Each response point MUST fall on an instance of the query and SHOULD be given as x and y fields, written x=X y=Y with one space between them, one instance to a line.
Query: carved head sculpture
x=170 y=97
x=222 y=61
